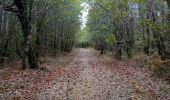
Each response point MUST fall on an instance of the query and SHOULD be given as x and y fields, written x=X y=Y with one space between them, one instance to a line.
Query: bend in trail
x=94 y=81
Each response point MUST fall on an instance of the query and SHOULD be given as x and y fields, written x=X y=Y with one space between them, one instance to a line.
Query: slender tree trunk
x=130 y=37
x=168 y=1
x=159 y=40
x=148 y=16
x=118 y=43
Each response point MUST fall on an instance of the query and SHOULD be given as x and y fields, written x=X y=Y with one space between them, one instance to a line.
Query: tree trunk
x=148 y=16
x=159 y=40
x=25 y=16
x=102 y=49
x=168 y=1
x=130 y=38
x=118 y=44
x=118 y=47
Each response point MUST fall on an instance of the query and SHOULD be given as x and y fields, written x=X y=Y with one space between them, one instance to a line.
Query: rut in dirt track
x=93 y=82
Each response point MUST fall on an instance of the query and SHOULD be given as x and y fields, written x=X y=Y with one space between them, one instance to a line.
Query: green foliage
x=110 y=39
x=53 y=27
x=83 y=38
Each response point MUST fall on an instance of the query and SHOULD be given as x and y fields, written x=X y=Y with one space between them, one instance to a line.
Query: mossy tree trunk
x=23 y=9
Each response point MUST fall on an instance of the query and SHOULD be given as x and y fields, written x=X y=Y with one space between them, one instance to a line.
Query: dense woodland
x=84 y=49
x=34 y=28
x=125 y=26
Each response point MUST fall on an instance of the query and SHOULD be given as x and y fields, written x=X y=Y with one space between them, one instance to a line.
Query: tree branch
x=107 y=10
x=9 y=8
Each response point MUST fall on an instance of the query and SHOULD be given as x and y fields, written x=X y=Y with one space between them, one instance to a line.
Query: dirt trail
x=93 y=81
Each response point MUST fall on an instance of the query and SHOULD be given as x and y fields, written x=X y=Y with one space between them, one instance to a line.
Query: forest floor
x=83 y=75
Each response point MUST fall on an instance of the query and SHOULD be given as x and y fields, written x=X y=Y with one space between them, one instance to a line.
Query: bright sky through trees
x=84 y=15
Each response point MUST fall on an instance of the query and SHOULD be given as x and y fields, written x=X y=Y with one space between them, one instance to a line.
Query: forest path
x=94 y=81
